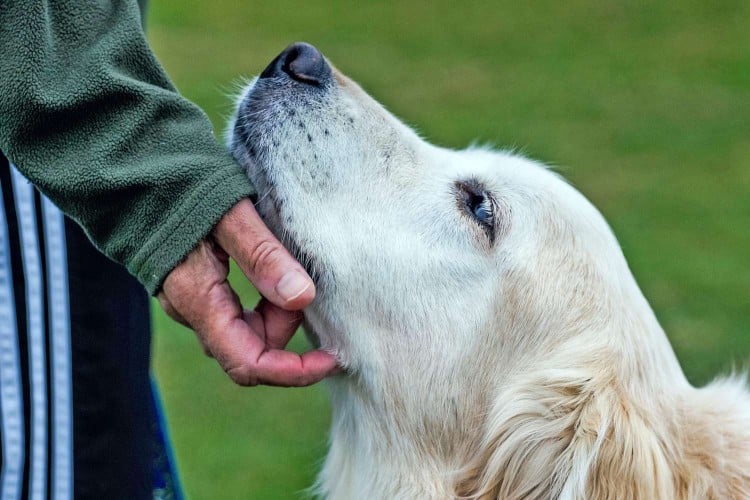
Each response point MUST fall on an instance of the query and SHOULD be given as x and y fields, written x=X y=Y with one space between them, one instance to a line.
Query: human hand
x=249 y=345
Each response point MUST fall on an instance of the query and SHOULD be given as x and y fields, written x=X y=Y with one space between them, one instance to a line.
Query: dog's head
x=419 y=253
x=488 y=318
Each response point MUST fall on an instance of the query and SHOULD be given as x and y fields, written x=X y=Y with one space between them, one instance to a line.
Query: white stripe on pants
x=62 y=386
x=11 y=395
x=55 y=449
x=32 y=268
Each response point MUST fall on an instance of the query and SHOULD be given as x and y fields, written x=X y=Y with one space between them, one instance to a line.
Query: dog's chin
x=271 y=208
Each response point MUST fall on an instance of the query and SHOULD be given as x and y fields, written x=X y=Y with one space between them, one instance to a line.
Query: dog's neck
x=418 y=433
x=537 y=403
x=395 y=447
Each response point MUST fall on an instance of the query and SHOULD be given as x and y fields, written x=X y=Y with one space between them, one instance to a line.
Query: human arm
x=88 y=115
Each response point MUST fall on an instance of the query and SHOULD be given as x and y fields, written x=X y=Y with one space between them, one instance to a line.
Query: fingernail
x=292 y=285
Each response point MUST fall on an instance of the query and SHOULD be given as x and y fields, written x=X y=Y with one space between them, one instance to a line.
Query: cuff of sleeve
x=184 y=228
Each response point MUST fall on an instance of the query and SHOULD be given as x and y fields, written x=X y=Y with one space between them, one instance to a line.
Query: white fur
x=527 y=367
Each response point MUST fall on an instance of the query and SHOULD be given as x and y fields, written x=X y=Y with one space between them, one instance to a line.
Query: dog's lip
x=288 y=237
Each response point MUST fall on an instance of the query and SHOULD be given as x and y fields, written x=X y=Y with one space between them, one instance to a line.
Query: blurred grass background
x=644 y=106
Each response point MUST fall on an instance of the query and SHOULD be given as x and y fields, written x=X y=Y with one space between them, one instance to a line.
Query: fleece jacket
x=88 y=115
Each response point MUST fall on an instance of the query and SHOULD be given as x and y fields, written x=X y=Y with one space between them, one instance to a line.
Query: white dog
x=496 y=343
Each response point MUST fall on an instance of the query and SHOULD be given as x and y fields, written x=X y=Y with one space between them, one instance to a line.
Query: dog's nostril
x=305 y=64
x=302 y=62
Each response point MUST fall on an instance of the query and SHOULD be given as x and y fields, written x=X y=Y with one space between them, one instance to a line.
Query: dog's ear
x=566 y=433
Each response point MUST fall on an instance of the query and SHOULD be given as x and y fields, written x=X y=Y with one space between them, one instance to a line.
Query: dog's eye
x=481 y=207
x=475 y=200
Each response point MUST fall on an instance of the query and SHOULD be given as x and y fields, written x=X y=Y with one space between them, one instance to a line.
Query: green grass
x=644 y=106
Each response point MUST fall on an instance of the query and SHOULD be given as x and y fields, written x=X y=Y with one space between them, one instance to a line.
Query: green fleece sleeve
x=89 y=116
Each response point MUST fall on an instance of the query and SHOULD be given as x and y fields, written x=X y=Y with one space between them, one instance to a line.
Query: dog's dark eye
x=481 y=207
x=475 y=200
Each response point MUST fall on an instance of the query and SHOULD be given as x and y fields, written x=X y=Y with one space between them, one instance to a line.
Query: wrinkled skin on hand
x=249 y=345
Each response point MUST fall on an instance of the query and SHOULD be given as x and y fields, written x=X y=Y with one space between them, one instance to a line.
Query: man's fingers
x=247 y=354
x=247 y=344
x=170 y=310
x=288 y=369
x=279 y=325
x=263 y=259
x=246 y=359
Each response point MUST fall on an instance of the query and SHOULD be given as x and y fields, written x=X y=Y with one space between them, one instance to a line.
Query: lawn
x=644 y=106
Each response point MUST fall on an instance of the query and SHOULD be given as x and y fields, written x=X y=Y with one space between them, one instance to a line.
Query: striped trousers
x=78 y=413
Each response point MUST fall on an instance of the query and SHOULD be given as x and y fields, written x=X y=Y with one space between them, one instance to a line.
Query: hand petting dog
x=249 y=345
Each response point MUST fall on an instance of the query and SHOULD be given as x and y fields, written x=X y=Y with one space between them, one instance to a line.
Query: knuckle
x=264 y=255
x=243 y=375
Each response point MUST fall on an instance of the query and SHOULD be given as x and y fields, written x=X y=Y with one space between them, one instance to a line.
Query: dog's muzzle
x=303 y=63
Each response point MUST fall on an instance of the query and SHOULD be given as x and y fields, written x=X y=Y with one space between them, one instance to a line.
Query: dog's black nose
x=302 y=62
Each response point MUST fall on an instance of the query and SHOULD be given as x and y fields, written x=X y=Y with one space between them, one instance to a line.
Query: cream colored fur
x=527 y=365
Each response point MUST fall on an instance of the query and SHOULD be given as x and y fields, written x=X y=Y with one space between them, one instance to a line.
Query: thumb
x=263 y=259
